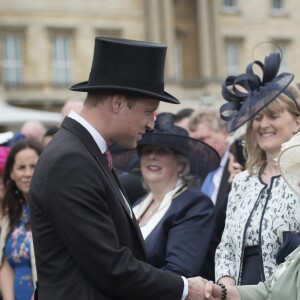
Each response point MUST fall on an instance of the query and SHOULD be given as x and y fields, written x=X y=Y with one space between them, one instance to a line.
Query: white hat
x=289 y=162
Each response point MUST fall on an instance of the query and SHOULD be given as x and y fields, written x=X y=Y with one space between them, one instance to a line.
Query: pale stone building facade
x=47 y=45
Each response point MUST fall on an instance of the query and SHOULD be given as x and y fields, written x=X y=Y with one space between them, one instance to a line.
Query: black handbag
x=291 y=240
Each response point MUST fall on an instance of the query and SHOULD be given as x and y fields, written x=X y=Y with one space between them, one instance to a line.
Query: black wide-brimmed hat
x=203 y=158
x=247 y=94
x=127 y=66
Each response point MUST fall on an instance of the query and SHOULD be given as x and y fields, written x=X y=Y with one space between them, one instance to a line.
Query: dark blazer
x=221 y=202
x=224 y=187
x=180 y=241
x=133 y=186
x=86 y=244
x=220 y=216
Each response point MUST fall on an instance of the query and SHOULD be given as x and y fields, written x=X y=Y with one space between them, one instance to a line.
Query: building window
x=277 y=4
x=277 y=7
x=61 y=59
x=229 y=6
x=229 y=3
x=12 y=59
x=232 y=58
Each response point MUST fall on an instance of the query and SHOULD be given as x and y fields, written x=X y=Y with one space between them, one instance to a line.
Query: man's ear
x=117 y=102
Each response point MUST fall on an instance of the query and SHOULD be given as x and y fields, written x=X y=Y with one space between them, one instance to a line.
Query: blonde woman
x=261 y=204
x=285 y=283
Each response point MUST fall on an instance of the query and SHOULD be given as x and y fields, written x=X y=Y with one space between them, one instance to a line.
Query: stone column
x=217 y=45
x=169 y=37
x=205 y=66
x=152 y=15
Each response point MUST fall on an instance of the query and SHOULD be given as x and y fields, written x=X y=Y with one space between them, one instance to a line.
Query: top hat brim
x=258 y=100
x=84 y=87
x=289 y=163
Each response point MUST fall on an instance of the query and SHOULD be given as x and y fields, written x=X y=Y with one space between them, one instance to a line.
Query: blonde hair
x=256 y=157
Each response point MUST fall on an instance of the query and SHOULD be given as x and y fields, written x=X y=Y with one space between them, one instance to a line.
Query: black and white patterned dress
x=257 y=214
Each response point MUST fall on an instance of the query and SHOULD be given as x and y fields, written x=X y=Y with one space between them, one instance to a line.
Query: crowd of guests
x=199 y=211
x=254 y=207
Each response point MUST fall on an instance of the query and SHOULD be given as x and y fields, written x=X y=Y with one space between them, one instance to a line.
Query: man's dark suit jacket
x=220 y=216
x=86 y=244
x=221 y=202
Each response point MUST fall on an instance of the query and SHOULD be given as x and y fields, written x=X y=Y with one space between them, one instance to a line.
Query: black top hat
x=203 y=158
x=256 y=94
x=127 y=66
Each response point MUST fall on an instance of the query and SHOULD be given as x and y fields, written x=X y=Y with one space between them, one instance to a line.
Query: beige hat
x=289 y=162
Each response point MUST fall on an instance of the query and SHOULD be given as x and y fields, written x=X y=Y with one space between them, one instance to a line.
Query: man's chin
x=130 y=145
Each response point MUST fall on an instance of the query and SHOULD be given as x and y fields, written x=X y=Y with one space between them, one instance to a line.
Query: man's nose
x=150 y=124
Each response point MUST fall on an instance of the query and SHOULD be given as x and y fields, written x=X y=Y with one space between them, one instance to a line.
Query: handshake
x=202 y=289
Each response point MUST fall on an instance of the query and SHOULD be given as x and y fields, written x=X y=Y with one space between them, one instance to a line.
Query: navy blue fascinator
x=203 y=158
x=247 y=94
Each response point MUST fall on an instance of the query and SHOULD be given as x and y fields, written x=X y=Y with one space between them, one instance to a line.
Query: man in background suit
x=207 y=126
x=87 y=242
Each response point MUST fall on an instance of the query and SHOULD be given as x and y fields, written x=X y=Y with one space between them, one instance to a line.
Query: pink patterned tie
x=108 y=158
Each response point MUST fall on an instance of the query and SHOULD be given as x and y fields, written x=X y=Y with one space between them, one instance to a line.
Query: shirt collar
x=94 y=133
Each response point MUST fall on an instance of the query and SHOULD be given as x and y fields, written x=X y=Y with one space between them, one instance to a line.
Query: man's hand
x=208 y=291
x=196 y=288
x=214 y=292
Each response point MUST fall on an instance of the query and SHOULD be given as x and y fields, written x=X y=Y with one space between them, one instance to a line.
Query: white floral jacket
x=282 y=213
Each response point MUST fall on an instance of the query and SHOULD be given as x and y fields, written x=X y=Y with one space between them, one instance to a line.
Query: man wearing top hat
x=87 y=242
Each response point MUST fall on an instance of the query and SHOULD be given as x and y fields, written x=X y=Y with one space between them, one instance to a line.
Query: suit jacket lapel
x=224 y=186
x=78 y=130
x=133 y=216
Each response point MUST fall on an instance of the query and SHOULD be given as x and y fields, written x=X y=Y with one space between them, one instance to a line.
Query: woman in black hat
x=176 y=220
x=261 y=204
